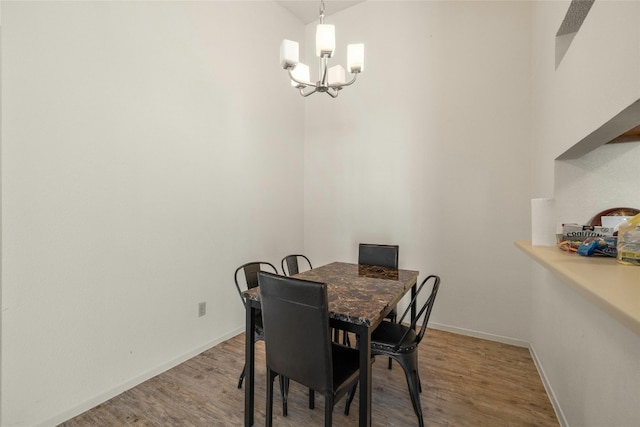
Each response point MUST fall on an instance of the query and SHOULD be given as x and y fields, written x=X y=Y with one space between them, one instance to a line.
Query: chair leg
x=415 y=397
x=242 y=376
x=328 y=410
x=312 y=399
x=269 y=409
x=410 y=366
x=284 y=392
x=352 y=394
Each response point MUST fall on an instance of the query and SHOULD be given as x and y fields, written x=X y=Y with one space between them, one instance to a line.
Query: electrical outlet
x=202 y=309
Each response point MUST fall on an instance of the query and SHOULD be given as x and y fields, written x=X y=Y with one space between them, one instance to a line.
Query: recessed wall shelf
x=576 y=14
x=632 y=135
x=623 y=127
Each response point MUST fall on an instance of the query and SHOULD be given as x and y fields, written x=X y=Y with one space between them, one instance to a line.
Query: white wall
x=144 y=158
x=605 y=178
x=598 y=78
x=590 y=361
x=430 y=149
x=148 y=148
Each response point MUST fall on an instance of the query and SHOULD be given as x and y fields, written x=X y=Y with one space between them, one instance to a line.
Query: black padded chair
x=250 y=271
x=290 y=264
x=298 y=342
x=384 y=256
x=400 y=342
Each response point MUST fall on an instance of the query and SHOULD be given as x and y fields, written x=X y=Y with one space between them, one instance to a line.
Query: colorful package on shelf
x=603 y=246
x=574 y=235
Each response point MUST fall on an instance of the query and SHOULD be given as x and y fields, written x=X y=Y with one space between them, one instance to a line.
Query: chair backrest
x=250 y=270
x=297 y=337
x=382 y=255
x=290 y=264
x=425 y=310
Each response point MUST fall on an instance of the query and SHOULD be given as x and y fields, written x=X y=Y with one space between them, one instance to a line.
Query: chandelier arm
x=341 y=85
x=309 y=93
x=305 y=84
x=333 y=93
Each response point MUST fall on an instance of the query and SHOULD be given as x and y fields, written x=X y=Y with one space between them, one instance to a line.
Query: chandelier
x=331 y=80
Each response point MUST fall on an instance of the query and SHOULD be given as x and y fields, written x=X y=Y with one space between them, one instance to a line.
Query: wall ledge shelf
x=614 y=287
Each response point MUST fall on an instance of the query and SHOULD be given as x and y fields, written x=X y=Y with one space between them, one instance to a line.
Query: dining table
x=360 y=296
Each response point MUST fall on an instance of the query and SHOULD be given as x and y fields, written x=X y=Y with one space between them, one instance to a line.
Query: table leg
x=364 y=344
x=249 y=360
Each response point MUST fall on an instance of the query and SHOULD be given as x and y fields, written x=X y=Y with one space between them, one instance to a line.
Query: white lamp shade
x=325 y=40
x=288 y=53
x=337 y=75
x=355 y=57
x=301 y=72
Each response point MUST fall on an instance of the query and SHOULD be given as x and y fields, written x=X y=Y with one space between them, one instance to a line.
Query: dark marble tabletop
x=357 y=294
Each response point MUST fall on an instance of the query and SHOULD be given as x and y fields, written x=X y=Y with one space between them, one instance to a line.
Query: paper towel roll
x=543 y=222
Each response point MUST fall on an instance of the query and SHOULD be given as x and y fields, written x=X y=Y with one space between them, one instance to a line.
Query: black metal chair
x=298 y=342
x=291 y=266
x=400 y=342
x=251 y=270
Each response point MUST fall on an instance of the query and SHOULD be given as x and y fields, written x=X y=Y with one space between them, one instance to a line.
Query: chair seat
x=387 y=335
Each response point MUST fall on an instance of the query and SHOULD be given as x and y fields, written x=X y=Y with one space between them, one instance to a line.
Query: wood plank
x=465 y=381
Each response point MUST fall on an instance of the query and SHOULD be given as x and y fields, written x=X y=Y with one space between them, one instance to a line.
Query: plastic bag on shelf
x=629 y=241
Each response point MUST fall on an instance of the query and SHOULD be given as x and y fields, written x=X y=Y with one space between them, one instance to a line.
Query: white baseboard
x=547 y=386
x=519 y=343
x=103 y=397
x=478 y=334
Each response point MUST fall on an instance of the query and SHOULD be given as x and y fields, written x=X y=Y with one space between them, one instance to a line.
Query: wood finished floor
x=465 y=382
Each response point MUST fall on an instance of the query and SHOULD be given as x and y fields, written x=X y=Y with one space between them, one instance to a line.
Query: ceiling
x=308 y=11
